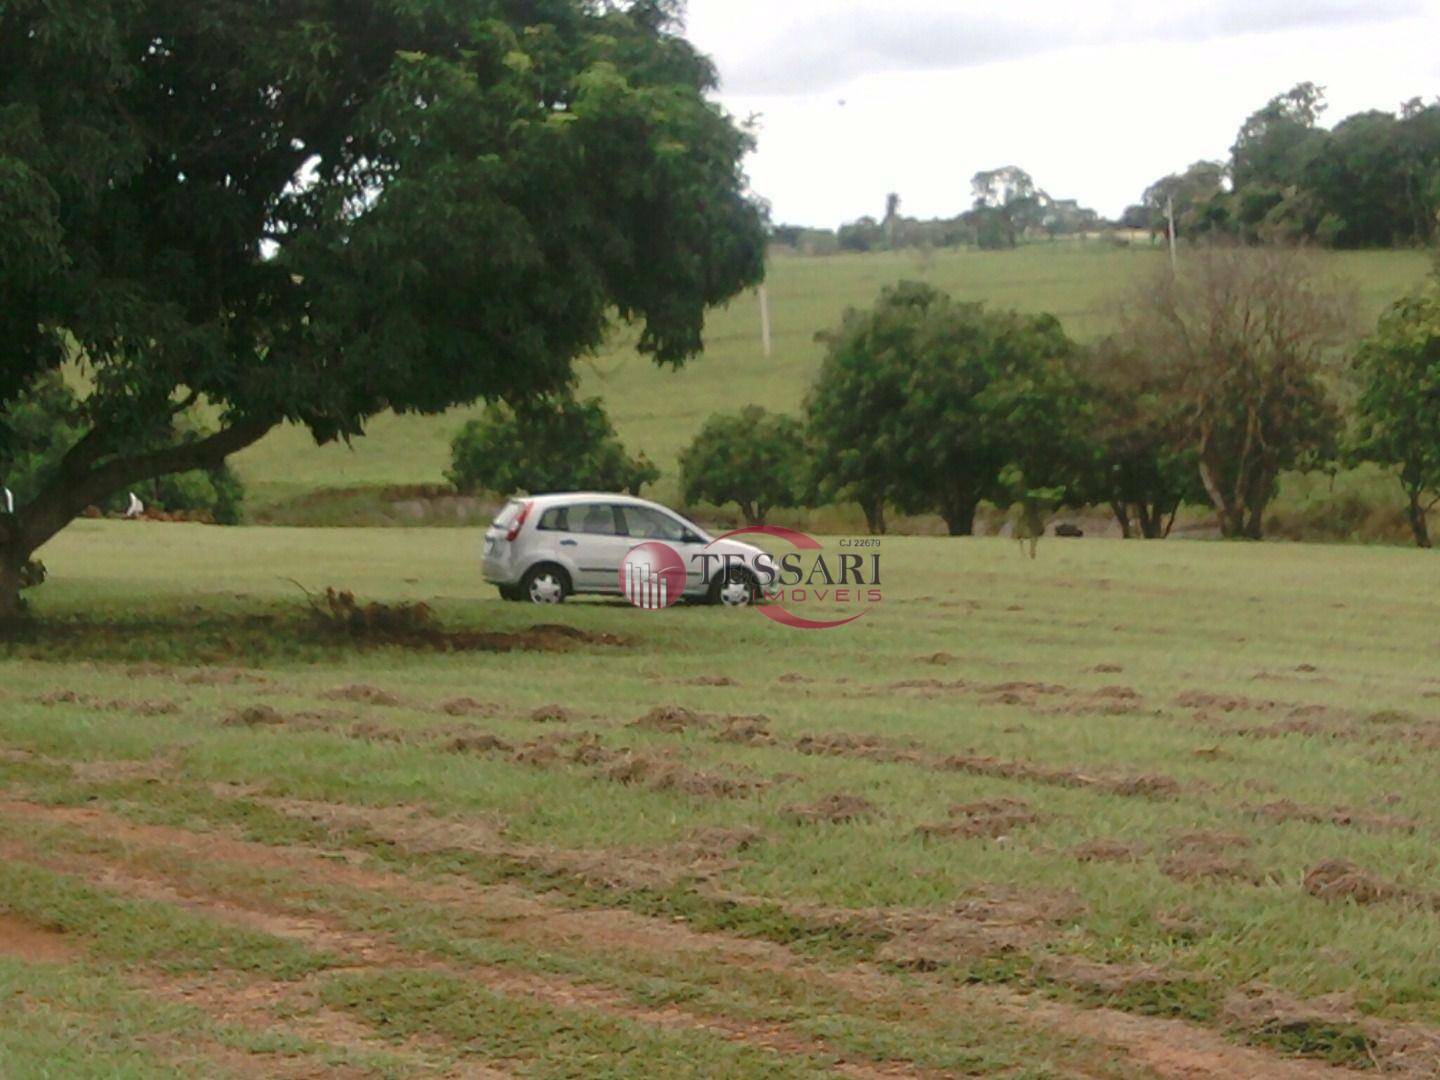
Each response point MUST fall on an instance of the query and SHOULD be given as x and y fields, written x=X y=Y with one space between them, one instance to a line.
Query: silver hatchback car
x=546 y=548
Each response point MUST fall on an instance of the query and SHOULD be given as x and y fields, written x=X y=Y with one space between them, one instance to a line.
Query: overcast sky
x=1095 y=98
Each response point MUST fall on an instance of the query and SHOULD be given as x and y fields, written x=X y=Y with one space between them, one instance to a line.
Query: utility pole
x=765 y=321
x=1170 y=217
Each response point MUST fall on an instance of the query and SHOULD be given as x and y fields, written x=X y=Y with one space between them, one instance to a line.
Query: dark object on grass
x=1066 y=531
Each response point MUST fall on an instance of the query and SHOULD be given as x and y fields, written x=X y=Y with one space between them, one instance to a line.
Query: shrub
x=559 y=444
x=755 y=459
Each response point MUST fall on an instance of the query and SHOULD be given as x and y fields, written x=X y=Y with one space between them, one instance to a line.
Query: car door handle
x=569 y=543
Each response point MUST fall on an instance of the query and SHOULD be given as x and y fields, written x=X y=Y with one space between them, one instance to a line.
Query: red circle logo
x=653 y=576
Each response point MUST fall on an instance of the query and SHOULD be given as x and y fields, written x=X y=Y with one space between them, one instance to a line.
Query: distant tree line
x=1373 y=180
x=1007 y=207
x=1219 y=379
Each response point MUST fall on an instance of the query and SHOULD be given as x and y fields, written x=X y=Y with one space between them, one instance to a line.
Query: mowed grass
x=660 y=411
x=1098 y=778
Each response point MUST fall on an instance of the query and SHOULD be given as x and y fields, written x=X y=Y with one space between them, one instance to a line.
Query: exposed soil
x=468 y=706
x=991 y=820
x=1107 y=851
x=1148 y=785
x=747 y=731
x=363 y=694
x=161 y=707
x=1339 y=881
x=673 y=720
x=661 y=775
x=1342 y=816
x=552 y=714
x=866 y=747
x=23 y=940
x=832 y=810
x=253 y=716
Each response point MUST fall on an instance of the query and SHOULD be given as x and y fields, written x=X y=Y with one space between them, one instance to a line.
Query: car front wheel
x=545 y=585
x=737 y=588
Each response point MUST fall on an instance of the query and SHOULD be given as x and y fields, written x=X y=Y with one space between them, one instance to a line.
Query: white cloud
x=1094 y=108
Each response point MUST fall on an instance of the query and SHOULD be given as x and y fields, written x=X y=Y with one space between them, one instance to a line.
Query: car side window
x=556 y=519
x=597 y=519
x=643 y=523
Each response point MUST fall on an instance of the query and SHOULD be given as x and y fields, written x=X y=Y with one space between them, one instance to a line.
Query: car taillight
x=519 y=522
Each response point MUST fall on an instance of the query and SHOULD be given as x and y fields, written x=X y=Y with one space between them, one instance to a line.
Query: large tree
x=923 y=400
x=1398 y=415
x=753 y=458
x=1246 y=334
x=313 y=212
x=1141 y=460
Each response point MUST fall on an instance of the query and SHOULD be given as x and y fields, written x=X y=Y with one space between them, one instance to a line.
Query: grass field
x=659 y=412
x=1130 y=810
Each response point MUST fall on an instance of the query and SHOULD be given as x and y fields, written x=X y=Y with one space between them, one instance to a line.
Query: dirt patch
x=1207 y=856
x=159 y=707
x=1339 y=880
x=478 y=743
x=363 y=694
x=711 y=680
x=717 y=842
x=990 y=820
x=23 y=940
x=864 y=747
x=1107 y=851
x=794 y=678
x=658 y=774
x=253 y=716
x=1100 y=978
x=989 y=923
x=338 y=614
x=940 y=659
x=1204 y=699
x=468 y=706
x=1206 y=866
x=747 y=731
x=222 y=677
x=1342 y=816
x=673 y=720
x=1106 y=669
x=837 y=809
x=1148 y=785
x=551 y=714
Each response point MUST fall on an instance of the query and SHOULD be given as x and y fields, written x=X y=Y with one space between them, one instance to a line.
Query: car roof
x=572 y=498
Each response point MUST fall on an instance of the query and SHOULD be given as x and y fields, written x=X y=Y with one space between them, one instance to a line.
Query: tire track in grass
x=364 y=955
x=1170 y=1048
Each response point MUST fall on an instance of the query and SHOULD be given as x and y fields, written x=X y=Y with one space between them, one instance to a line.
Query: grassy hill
x=660 y=411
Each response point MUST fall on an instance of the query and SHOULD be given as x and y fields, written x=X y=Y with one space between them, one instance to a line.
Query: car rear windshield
x=507 y=516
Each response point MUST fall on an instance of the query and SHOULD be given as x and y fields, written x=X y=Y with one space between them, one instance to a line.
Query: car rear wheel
x=545 y=585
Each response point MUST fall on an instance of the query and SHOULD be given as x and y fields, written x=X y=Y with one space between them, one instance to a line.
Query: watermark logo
x=652 y=576
x=805 y=577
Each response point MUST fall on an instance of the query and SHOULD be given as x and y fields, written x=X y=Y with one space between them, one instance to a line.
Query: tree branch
x=69 y=495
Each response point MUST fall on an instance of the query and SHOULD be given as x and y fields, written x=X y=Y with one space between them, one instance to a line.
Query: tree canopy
x=1373 y=180
x=557 y=444
x=754 y=458
x=313 y=213
x=1398 y=414
x=922 y=401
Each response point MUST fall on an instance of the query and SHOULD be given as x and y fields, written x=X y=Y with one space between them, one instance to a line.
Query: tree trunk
x=1122 y=515
x=959 y=516
x=874 y=512
x=1418 y=525
x=1152 y=521
x=12 y=566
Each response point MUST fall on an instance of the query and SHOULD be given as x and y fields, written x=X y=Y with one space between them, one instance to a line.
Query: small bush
x=555 y=445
